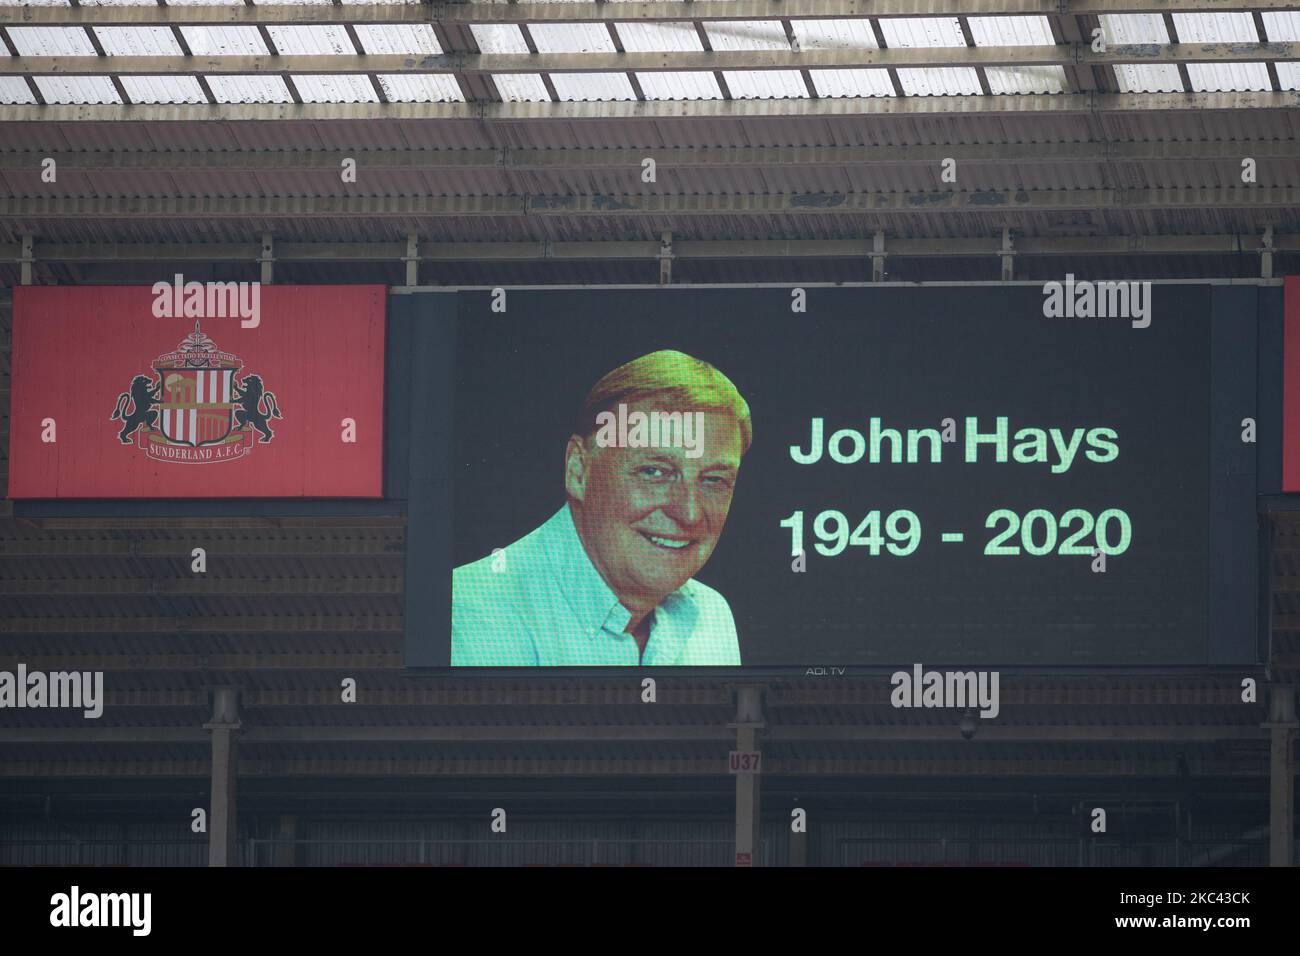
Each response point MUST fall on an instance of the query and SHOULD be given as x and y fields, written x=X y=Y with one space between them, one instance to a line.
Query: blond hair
x=674 y=378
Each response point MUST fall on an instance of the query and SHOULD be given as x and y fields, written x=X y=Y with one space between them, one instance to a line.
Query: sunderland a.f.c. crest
x=199 y=409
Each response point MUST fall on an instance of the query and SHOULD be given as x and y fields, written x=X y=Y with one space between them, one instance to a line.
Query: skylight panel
x=922 y=32
x=586 y=87
x=747 y=35
x=137 y=41
x=319 y=39
x=77 y=89
x=1282 y=27
x=1228 y=77
x=766 y=85
x=498 y=38
x=571 y=38
x=660 y=38
x=335 y=88
x=942 y=81
x=521 y=87
x=420 y=88
x=51 y=41
x=395 y=38
x=14 y=89
x=1011 y=31
x=249 y=89
x=1148 y=78
x=1215 y=28
x=1288 y=76
x=679 y=86
x=1130 y=28
x=163 y=89
x=1025 y=79
x=224 y=41
x=834 y=34
x=852 y=82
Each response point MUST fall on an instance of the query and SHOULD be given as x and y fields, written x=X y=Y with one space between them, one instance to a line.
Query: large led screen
x=778 y=478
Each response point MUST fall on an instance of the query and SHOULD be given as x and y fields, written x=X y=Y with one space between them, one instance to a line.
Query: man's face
x=650 y=517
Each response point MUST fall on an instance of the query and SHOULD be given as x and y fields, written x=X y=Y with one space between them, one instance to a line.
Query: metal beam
x=603 y=62
x=460 y=12
x=711 y=157
x=1119 y=762
x=1058 y=104
x=996 y=201
x=578 y=250
x=439 y=731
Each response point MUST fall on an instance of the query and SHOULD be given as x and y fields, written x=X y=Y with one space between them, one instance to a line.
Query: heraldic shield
x=197 y=410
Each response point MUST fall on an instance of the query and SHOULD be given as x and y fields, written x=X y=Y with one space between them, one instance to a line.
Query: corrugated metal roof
x=1212 y=77
x=659 y=38
x=571 y=38
x=945 y=81
x=398 y=38
x=335 y=88
x=679 y=86
x=498 y=38
x=834 y=34
x=766 y=84
x=1221 y=28
x=922 y=32
x=1010 y=31
x=421 y=88
x=852 y=82
x=1288 y=75
x=1025 y=79
x=521 y=87
x=51 y=41
x=577 y=87
x=1215 y=28
x=320 y=39
x=224 y=41
x=77 y=89
x=1128 y=29
x=14 y=89
x=249 y=89
x=137 y=41
x=163 y=89
x=1132 y=28
x=747 y=35
x=1282 y=27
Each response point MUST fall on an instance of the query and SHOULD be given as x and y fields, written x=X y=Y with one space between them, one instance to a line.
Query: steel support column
x=1282 y=726
x=222 y=816
x=749 y=720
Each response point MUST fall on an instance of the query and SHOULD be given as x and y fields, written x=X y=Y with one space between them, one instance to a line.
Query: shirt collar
x=583 y=588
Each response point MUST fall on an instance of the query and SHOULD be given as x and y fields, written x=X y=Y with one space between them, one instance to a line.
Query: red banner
x=197 y=390
x=1291 y=385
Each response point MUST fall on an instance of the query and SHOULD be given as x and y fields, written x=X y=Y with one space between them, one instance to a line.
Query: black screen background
x=912 y=357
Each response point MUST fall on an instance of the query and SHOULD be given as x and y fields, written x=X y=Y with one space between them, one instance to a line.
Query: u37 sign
x=744 y=761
